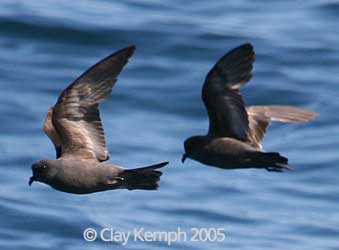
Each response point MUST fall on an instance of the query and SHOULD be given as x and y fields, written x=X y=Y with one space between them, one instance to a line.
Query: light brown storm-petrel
x=74 y=126
x=235 y=132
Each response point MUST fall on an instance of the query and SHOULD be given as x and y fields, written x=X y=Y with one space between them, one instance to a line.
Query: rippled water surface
x=156 y=104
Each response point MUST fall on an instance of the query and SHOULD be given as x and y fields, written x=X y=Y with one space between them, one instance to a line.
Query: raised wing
x=76 y=117
x=220 y=93
x=261 y=116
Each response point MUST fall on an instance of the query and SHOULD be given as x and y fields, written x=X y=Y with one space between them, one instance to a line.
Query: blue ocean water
x=45 y=45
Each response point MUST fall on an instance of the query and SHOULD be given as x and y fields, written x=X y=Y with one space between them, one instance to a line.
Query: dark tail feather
x=142 y=178
x=273 y=162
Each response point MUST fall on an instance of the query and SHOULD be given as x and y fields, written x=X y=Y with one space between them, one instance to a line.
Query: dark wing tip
x=122 y=54
x=128 y=50
x=244 y=50
x=246 y=47
x=161 y=164
x=156 y=166
x=233 y=69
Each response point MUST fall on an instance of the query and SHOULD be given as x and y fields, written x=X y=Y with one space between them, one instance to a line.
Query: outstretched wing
x=76 y=117
x=220 y=93
x=261 y=116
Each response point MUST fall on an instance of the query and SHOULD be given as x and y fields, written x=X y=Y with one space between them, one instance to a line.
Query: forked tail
x=142 y=178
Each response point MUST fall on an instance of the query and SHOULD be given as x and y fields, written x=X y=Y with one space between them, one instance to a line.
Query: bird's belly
x=227 y=153
x=75 y=188
x=85 y=181
x=224 y=161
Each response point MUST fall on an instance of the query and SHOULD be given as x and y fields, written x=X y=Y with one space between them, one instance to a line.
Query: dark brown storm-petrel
x=74 y=126
x=235 y=132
